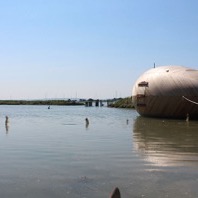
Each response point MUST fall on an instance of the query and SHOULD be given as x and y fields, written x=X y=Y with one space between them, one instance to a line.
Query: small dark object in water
x=49 y=107
x=115 y=193
x=87 y=122
x=7 y=124
x=6 y=121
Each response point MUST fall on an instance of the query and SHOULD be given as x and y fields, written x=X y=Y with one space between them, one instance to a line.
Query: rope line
x=190 y=100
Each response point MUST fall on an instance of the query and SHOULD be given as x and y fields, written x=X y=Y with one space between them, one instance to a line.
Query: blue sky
x=91 y=48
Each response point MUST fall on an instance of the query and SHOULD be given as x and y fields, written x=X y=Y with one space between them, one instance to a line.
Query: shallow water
x=52 y=153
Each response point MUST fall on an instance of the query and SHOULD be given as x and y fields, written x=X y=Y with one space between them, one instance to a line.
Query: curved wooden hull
x=163 y=92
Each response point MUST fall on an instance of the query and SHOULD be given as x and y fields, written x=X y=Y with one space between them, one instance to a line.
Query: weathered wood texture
x=159 y=92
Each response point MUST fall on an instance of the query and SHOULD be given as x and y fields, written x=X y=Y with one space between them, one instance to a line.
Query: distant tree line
x=122 y=103
x=40 y=102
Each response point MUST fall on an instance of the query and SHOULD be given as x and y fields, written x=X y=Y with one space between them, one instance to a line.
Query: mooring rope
x=190 y=100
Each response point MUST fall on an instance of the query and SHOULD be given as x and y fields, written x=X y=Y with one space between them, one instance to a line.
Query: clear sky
x=91 y=48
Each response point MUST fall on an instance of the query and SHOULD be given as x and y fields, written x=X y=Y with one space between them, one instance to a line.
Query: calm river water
x=50 y=153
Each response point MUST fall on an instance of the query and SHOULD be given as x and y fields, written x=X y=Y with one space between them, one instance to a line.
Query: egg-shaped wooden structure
x=167 y=91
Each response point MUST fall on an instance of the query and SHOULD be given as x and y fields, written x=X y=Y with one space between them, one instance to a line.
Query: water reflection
x=7 y=128
x=166 y=142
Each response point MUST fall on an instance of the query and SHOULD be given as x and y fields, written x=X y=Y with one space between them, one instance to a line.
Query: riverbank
x=40 y=102
x=123 y=103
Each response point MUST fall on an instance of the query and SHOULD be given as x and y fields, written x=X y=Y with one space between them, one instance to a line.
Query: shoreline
x=40 y=102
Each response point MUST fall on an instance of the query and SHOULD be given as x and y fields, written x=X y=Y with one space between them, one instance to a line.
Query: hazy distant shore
x=119 y=103
x=40 y=102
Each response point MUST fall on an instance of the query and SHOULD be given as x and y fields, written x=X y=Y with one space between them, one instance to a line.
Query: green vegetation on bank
x=123 y=103
x=40 y=102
